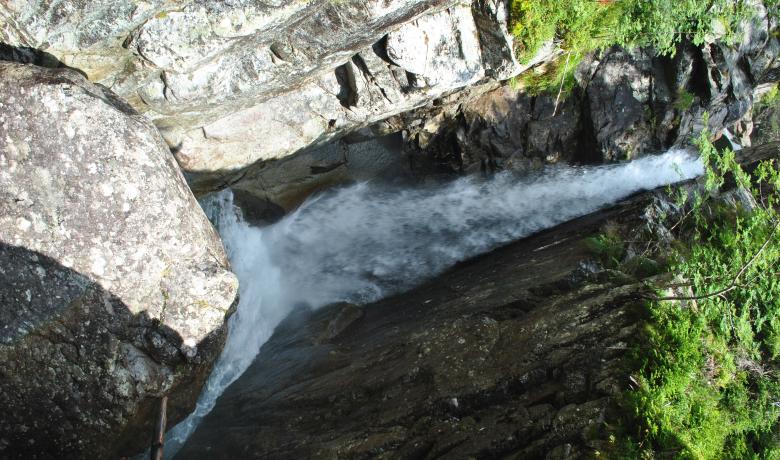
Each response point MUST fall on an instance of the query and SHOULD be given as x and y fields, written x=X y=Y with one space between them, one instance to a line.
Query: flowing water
x=360 y=243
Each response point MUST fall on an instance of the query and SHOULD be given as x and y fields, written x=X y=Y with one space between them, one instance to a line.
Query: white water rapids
x=360 y=243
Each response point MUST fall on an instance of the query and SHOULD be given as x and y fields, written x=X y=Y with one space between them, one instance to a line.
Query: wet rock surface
x=288 y=182
x=516 y=354
x=766 y=116
x=114 y=287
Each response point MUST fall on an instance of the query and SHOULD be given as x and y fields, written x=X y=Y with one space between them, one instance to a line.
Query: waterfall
x=362 y=242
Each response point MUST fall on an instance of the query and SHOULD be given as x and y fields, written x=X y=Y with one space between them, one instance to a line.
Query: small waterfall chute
x=359 y=243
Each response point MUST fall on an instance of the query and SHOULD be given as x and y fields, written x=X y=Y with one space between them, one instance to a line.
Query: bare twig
x=734 y=282
x=682 y=219
x=159 y=430
x=563 y=79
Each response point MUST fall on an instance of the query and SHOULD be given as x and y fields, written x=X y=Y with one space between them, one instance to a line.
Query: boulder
x=114 y=287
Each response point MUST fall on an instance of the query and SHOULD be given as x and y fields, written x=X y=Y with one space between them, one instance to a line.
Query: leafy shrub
x=662 y=24
x=708 y=383
x=578 y=26
x=582 y=26
x=684 y=100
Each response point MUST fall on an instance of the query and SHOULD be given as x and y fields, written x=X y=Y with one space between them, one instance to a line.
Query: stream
x=362 y=242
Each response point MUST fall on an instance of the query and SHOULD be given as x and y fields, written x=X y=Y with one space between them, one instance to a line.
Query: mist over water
x=360 y=243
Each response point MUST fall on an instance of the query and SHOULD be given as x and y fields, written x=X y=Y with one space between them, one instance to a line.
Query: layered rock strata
x=234 y=84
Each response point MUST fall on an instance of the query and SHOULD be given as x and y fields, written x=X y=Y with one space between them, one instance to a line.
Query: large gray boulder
x=114 y=287
x=236 y=84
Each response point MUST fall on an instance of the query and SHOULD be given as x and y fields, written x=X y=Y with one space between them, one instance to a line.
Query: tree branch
x=563 y=79
x=734 y=282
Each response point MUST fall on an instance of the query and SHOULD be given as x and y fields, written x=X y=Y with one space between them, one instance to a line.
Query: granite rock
x=115 y=288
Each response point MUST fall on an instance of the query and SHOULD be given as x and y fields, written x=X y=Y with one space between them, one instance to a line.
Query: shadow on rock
x=28 y=55
x=73 y=359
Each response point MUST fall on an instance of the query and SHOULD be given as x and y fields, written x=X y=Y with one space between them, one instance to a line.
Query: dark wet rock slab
x=517 y=352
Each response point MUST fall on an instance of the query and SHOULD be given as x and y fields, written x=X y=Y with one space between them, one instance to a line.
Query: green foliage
x=608 y=247
x=684 y=100
x=582 y=26
x=578 y=26
x=642 y=267
x=662 y=24
x=708 y=384
x=555 y=76
x=771 y=97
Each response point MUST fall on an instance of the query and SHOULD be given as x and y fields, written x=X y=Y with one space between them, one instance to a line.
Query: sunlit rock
x=235 y=84
x=114 y=287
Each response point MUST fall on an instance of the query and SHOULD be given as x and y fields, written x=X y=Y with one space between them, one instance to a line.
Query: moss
x=642 y=267
x=684 y=101
x=554 y=76
x=608 y=247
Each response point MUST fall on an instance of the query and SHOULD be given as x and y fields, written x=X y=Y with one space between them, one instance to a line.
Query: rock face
x=289 y=181
x=114 y=289
x=625 y=103
x=233 y=84
x=766 y=117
